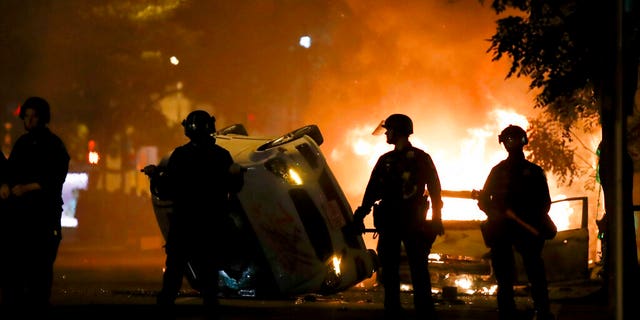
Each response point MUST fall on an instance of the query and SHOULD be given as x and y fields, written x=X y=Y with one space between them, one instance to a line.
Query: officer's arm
x=236 y=173
x=373 y=190
x=371 y=195
x=434 y=188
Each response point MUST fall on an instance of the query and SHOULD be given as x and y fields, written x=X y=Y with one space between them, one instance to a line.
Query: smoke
x=426 y=59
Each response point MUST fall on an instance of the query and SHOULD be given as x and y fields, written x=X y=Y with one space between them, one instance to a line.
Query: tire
x=311 y=130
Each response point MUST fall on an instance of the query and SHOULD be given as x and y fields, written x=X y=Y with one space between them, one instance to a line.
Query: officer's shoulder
x=419 y=152
x=535 y=167
x=388 y=154
x=501 y=164
x=180 y=149
x=220 y=148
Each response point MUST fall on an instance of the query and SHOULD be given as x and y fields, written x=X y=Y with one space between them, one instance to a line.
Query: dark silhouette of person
x=396 y=191
x=38 y=165
x=516 y=199
x=4 y=217
x=201 y=177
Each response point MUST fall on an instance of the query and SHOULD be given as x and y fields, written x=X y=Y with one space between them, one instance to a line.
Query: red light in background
x=93 y=157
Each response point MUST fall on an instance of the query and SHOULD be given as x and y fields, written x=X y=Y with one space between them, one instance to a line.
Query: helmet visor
x=380 y=129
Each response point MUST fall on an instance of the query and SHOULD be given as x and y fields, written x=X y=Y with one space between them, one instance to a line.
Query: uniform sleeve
x=484 y=198
x=59 y=167
x=373 y=191
x=171 y=178
x=236 y=181
x=543 y=197
x=433 y=186
x=41 y=159
x=3 y=168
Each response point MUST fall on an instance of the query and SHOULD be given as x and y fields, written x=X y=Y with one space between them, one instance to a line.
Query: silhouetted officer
x=200 y=176
x=398 y=182
x=516 y=199
x=5 y=226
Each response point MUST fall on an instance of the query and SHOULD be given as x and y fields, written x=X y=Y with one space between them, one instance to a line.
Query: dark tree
x=582 y=58
x=102 y=66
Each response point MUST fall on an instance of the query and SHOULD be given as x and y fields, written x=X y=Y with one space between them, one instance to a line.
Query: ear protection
x=209 y=125
x=199 y=123
x=503 y=138
x=513 y=132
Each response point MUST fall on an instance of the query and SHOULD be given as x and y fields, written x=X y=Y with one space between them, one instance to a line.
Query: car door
x=567 y=255
x=461 y=250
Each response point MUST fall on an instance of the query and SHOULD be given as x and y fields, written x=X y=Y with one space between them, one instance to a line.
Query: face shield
x=379 y=130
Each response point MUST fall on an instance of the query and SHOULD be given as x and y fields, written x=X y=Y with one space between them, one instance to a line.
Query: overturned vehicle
x=291 y=219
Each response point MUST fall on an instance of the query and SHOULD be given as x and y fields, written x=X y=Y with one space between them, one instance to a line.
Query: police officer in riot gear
x=201 y=177
x=516 y=199
x=397 y=190
x=37 y=168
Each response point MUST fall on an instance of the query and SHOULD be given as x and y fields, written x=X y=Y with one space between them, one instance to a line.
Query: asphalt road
x=112 y=284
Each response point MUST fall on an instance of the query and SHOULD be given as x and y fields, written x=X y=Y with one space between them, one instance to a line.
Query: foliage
x=562 y=151
x=551 y=151
x=104 y=64
x=558 y=45
x=98 y=63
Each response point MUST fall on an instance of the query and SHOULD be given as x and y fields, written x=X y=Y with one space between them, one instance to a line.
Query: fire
x=462 y=167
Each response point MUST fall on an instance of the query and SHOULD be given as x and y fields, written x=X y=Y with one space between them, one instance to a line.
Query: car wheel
x=311 y=130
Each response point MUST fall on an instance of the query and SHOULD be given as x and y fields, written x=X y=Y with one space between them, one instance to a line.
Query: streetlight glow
x=305 y=42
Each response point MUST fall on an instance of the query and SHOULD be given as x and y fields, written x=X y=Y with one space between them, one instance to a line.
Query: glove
x=360 y=213
x=358 y=219
x=236 y=169
x=149 y=170
x=437 y=226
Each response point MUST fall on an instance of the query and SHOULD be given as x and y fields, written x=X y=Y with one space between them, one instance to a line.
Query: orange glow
x=428 y=60
x=464 y=166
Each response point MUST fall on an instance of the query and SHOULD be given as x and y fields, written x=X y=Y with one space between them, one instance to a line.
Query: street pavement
x=309 y=308
x=110 y=284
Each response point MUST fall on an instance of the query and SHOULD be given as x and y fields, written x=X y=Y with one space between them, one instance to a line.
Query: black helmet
x=199 y=124
x=514 y=132
x=40 y=105
x=399 y=123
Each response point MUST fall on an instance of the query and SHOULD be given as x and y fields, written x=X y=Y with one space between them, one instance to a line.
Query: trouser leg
x=209 y=278
x=175 y=265
x=417 y=254
x=536 y=274
x=42 y=282
x=390 y=261
x=502 y=261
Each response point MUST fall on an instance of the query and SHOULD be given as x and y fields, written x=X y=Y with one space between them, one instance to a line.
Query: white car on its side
x=292 y=220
